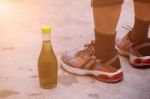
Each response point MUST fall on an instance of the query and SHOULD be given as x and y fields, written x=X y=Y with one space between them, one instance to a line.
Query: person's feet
x=84 y=62
x=139 y=54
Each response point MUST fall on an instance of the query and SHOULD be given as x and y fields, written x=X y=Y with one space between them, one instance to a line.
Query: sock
x=139 y=32
x=104 y=46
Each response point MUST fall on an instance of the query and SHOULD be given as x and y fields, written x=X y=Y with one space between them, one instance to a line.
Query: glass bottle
x=47 y=63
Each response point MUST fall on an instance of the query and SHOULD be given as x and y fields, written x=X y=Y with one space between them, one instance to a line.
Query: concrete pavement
x=20 y=44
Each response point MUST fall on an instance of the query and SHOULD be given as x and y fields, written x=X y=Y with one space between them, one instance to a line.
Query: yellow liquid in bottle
x=47 y=66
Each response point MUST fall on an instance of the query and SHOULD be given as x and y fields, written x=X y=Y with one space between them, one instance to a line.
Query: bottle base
x=48 y=86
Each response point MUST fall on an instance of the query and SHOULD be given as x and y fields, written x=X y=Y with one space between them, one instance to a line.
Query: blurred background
x=72 y=27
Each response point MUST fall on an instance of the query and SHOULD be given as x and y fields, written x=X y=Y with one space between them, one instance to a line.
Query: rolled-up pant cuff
x=103 y=3
x=142 y=1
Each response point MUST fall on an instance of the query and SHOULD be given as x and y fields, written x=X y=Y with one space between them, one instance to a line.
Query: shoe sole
x=139 y=62
x=101 y=76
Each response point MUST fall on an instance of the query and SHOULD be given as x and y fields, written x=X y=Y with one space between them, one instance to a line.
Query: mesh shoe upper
x=85 y=59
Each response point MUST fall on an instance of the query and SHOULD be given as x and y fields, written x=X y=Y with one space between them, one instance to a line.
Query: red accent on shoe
x=103 y=77
x=117 y=76
x=147 y=61
x=138 y=61
x=114 y=78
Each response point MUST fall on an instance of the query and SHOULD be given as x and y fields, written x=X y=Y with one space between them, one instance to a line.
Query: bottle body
x=47 y=66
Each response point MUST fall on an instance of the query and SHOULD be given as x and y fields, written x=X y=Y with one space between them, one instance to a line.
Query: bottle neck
x=46 y=46
x=46 y=37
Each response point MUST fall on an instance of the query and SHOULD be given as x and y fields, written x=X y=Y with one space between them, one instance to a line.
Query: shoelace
x=88 y=49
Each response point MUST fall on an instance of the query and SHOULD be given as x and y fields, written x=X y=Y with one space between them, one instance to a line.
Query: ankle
x=104 y=46
x=139 y=32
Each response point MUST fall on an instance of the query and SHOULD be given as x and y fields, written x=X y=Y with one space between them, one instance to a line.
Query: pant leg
x=142 y=1
x=101 y=3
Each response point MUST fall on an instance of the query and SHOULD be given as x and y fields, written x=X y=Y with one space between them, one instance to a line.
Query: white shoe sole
x=135 y=61
x=139 y=61
x=111 y=76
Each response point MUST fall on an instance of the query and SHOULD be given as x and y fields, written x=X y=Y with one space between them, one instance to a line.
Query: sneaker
x=84 y=62
x=139 y=55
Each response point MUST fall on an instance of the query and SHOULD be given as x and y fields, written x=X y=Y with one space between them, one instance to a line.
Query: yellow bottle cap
x=46 y=29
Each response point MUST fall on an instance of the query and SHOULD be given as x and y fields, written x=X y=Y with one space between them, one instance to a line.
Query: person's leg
x=135 y=44
x=100 y=58
x=142 y=21
x=142 y=9
x=106 y=15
